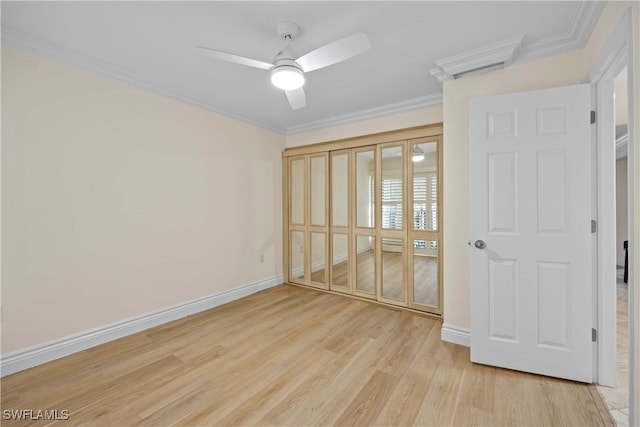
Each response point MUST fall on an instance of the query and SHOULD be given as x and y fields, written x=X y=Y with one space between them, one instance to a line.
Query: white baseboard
x=39 y=354
x=456 y=335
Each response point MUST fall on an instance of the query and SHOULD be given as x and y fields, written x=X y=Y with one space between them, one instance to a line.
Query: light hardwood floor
x=617 y=399
x=295 y=356
x=425 y=272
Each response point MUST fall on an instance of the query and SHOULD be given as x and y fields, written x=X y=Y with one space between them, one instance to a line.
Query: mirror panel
x=340 y=257
x=297 y=255
x=296 y=185
x=318 y=261
x=425 y=186
x=340 y=189
x=318 y=199
x=425 y=272
x=366 y=264
x=365 y=167
x=392 y=188
x=392 y=269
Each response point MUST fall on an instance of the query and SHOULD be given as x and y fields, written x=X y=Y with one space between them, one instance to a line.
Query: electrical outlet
x=261 y=258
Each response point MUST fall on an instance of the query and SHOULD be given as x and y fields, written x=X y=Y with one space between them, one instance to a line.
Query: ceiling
x=150 y=44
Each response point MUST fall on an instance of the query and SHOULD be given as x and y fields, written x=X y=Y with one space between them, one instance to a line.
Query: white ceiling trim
x=498 y=53
x=517 y=50
x=582 y=24
x=369 y=113
x=19 y=40
x=14 y=38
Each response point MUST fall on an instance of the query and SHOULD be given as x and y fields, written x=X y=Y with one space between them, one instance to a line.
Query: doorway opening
x=617 y=398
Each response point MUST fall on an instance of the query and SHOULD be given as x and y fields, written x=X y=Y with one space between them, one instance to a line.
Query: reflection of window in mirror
x=392 y=188
x=425 y=186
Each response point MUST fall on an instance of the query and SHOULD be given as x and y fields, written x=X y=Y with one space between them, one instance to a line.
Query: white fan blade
x=334 y=52
x=296 y=98
x=229 y=57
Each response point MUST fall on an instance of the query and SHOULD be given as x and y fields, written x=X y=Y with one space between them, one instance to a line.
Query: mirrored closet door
x=365 y=220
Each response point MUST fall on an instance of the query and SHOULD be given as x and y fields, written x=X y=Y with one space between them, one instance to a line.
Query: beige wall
x=420 y=117
x=559 y=70
x=118 y=202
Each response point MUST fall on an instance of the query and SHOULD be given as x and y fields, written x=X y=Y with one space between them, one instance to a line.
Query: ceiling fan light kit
x=287 y=71
x=287 y=77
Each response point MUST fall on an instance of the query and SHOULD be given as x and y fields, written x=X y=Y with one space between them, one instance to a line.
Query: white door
x=530 y=230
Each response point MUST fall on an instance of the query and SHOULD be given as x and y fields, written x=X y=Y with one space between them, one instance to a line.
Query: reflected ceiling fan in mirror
x=287 y=70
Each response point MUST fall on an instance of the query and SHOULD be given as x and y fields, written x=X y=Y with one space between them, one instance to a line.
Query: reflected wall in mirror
x=296 y=184
x=340 y=257
x=318 y=261
x=365 y=167
x=392 y=269
x=297 y=255
x=392 y=188
x=425 y=272
x=318 y=190
x=425 y=186
x=366 y=264
x=339 y=189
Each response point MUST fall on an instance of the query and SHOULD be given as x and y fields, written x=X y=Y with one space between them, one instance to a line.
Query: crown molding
x=17 y=39
x=512 y=51
x=47 y=49
x=369 y=113
x=582 y=24
x=497 y=53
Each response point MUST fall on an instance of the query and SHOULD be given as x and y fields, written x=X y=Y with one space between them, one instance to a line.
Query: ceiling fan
x=287 y=69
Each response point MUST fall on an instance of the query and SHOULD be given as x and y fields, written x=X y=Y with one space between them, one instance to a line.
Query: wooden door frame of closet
x=370 y=139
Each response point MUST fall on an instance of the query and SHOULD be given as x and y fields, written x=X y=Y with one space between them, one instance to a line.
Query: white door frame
x=615 y=55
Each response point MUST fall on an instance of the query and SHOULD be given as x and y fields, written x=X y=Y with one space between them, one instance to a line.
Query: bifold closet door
x=366 y=221
x=297 y=215
x=364 y=218
x=308 y=223
x=318 y=222
x=340 y=225
x=392 y=228
x=424 y=279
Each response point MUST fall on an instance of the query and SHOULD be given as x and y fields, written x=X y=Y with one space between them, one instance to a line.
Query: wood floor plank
x=367 y=404
x=294 y=356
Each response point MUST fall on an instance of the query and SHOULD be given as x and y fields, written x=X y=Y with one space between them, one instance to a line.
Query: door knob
x=480 y=244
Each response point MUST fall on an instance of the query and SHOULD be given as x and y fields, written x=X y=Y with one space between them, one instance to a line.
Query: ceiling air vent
x=479 y=70
x=477 y=61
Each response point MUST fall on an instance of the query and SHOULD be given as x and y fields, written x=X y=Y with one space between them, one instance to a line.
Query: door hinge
x=593 y=117
x=594 y=226
x=594 y=335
